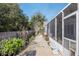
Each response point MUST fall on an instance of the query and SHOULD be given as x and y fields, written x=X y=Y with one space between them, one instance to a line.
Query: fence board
x=6 y=35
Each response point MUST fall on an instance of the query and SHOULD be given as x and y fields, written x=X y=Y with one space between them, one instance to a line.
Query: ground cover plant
x=11 y=46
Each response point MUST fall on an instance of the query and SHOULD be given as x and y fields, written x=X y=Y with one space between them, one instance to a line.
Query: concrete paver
x=38 y=47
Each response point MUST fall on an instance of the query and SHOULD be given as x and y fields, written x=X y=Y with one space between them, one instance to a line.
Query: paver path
x=38 y=47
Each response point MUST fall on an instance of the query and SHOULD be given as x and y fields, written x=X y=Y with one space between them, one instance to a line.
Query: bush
x=11 y=46
x=46 y=37
x=31 y=38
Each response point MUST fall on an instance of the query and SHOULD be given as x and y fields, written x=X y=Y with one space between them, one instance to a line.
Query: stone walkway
x=38 y=47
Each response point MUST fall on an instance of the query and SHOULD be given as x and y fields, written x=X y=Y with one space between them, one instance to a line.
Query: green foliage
x=31 y=39
x=11 y=46
x=30 y=25
x=46 y=38
x=12 y=18
x=38 y=22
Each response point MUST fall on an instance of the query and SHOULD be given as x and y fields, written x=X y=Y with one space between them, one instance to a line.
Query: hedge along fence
x=12 y=46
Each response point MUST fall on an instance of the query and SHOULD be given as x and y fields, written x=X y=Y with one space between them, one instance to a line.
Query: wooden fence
x=6 y=35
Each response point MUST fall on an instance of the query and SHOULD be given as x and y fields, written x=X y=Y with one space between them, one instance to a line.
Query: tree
x=12 y=18
x=38 y=22
x=30 y=26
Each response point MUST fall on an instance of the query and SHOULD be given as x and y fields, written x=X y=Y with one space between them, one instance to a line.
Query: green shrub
x=46 y=38
x=31 y=38
x=11 y=46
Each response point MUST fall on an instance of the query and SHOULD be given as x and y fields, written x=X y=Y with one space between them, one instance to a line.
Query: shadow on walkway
x=31 y=53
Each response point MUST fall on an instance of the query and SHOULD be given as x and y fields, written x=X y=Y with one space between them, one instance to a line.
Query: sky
x=50 y=10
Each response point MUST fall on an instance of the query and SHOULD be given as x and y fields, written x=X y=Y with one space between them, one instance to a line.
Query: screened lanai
x=64 y=28
x=70 y=28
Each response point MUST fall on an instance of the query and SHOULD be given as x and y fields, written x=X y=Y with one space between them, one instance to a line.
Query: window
x=59 y=28
x=52 y=29
x=70 y=27
x=66 y=44
x=69 y=30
